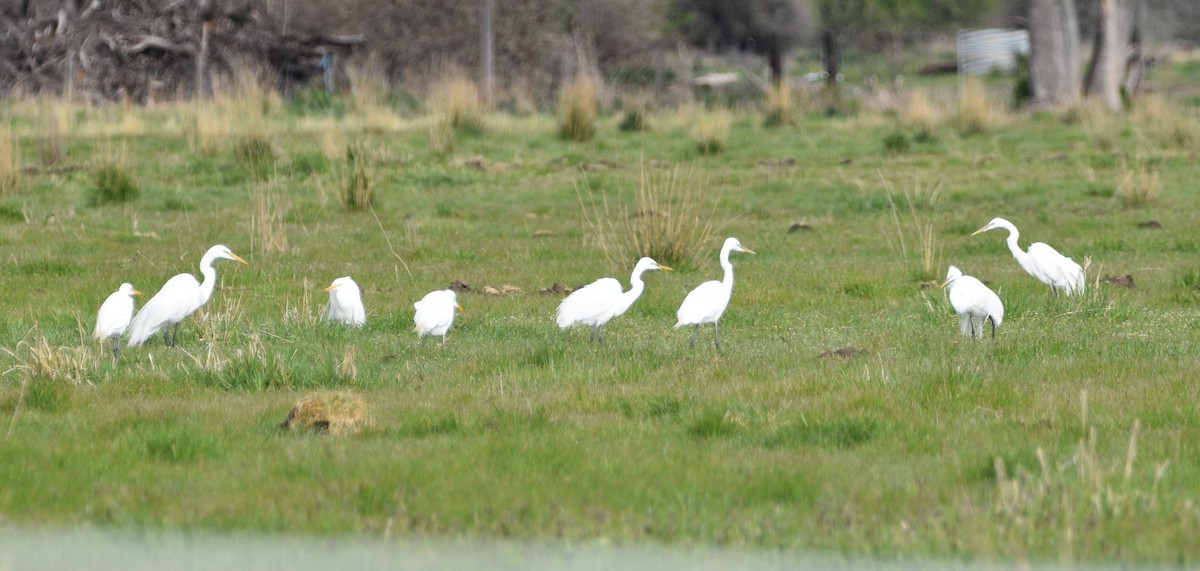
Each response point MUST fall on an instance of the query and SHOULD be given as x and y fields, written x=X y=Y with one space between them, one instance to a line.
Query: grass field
x=1074 y=435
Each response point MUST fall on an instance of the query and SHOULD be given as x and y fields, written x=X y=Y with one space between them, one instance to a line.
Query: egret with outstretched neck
x=181 y=296
x=600 y=301
x=1041 y=261
x=708 y=301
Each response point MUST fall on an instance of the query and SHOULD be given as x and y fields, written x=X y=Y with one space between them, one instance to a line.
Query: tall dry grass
x=781 y=110
x=457 y=102
x=10 y=166
x=54 y=130
x=670 y=219
x=977 y=113
x=915 y=230
x=1166 y=121
x=355 y=179
x=1138 y=185
x=269 y=211
x=919 y=112
x=578 y=107
x=710 y=130
x=369 y=90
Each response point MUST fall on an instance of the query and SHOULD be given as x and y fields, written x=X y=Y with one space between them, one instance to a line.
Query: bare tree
x=1103 y=77
x=1054 y=68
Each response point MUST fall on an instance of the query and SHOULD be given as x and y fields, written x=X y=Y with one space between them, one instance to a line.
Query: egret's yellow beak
x=239 y=259
x=459 y=306
x=980 y=231
x=331 y=288
x=944 y=284
x=662 y=267
x=136 y=292
x=747 y=250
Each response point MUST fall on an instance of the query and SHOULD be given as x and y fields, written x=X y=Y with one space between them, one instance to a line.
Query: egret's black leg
x=117 y=347
x=695 y=329
x=971 y=320
x=423 y=340
x=175 y=335
x=600 y=334
x=716 y=335
x=993 y=320
x=592 y=335
x=167 y=336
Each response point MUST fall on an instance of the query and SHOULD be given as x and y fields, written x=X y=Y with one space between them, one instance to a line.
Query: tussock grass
x=269 y=210
x=670 y=219
x=710 y=130
x=919 y=112
x=256 y=155
x=369 y=89
x=456 y=102
x=334 y=413
x=578 y=107
x=781 y=111
x=356 y=175
x=210 y=128
x=916 y=229
x=10 y=165
x=54 y=132
x=977 y=113
x=1138 y=185
x=113 y=184
x=1167 y=122
x=38 y=361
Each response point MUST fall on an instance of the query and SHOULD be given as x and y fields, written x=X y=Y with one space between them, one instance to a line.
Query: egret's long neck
x=210 y=279
x=727 y=279
x=636 y=285
x=1017 y=252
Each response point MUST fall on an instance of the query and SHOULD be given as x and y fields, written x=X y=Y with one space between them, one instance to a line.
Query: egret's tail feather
x=140 y=329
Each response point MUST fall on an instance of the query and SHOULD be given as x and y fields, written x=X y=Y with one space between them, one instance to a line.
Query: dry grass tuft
x=710 y=130
x=781 y=111
x=355 y=185
x=334 y=413
x=456 y=102
x=10 y=166
x=977 y=113
x=37 y=359
x=916 y=231
x=269 y=213
x=53 y=124
x=1168 y=122
x=1138 y=185
x=369 y=90
x=578 y=106
x=919 y=112
x=210 y=128
x=347 y=370
x=670 y=220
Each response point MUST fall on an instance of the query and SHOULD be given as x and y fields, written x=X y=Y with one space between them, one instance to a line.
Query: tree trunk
x=1135 y=66
x=1054 y=73
x=487 y=41
x=830 y=55
x=1105 y=70
x=775 y=62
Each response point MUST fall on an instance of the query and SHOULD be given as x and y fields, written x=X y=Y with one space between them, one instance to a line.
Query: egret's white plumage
x=435 y=314
x=973 y=302
x=179 y=297
x=1041 y=261
x=345 y=303
x=598 y=302
x=114 y=316
x=708 y=301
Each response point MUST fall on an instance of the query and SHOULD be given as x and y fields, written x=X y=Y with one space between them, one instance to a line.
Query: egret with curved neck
x=1041 y=261
x=181 y=296
x=708 y=301
x=598 y=302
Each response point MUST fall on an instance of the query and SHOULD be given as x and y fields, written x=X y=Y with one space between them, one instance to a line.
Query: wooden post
x=487 y=40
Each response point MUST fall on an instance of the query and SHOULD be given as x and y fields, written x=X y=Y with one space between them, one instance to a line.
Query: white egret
x=435 y=314
x=345 y=303
x=973 y=301
x=179 y=297
x=1042 y=261
x=598 y=302
x=708 y=301
x=115 y=313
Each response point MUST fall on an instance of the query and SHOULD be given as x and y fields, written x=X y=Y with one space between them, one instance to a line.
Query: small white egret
x=598 y=302
x=181 y=296
x=972 y=301
x=435 y=314
x=708 y=301
x=345 y=303
x=1042 y=261
x=114 y=316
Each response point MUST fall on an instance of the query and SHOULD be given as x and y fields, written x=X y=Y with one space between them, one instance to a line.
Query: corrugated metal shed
x=984 y=51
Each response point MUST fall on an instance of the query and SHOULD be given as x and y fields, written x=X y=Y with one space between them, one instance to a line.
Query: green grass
x=519 y=430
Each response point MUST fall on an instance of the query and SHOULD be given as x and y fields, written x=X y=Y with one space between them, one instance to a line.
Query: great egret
x=1042 y=261
x=435 y=314
x=598 y=302
x=345 y=302
x=179 y=297
x=114 y=316
x=972 y=301
x=708 y=301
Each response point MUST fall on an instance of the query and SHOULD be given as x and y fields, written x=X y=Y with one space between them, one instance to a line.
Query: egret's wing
x=435 y=313
x=970 y=296
x=588 y=303
x=702 y=304
x=114 y=316
x=1058 y=269
x=177 y=299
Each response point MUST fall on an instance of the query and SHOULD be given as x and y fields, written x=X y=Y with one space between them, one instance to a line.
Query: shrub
x=456 y=101
x=355 y=191
x=896 y=143
x=635 y=119
x=112 y=184
x=577 y=109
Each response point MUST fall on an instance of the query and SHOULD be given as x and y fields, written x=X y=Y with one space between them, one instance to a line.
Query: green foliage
x=356 y=189
x=112 y=184
x=896 y=143
x=256 y=156
x=634 y=120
